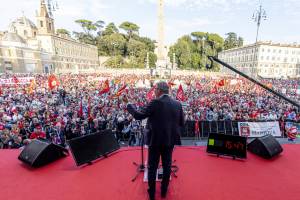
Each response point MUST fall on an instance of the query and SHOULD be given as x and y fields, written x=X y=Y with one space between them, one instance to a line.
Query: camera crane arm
x=212 y=59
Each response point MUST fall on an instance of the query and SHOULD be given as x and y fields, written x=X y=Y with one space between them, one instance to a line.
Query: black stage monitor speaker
x=266 y=147
x=39 y=153
x=87 y=148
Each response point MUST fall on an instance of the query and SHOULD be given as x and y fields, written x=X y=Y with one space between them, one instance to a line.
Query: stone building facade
x=26 y=47
x=266 y=59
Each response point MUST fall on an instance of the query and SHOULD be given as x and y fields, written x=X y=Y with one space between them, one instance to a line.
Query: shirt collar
x=164 y=95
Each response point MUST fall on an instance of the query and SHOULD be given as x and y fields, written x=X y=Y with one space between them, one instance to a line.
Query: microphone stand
x=140 y=167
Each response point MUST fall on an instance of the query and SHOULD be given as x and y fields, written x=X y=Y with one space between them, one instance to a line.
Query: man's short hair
x=163 y=87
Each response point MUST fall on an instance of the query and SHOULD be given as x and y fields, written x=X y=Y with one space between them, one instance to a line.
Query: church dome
x=12 y=37
x=23 y=21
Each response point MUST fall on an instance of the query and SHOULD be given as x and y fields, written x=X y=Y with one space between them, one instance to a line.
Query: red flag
x=198 y=86
x=16 y=80
x=171 y=84
x=1 y=91
x=52 y=82
x=80 y=112
x=180 y=94
x=151 y=94
x=31 y=86
x=214 y=89
x=197 y=130
x=120 y=91
x=221 y=83
x=105 y=88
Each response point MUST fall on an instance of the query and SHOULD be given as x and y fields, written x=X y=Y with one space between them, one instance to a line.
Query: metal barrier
x=225 y=127
x=207 y=127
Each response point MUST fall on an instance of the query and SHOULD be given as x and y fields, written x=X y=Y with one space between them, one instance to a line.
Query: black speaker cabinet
x=266 y=147
x=90 y=147
x=39 y=153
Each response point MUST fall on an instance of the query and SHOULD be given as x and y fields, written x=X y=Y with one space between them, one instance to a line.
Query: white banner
x=258 y=129
x=11 y=81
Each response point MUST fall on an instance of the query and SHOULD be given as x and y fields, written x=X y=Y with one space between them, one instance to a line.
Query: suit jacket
x=165 y=120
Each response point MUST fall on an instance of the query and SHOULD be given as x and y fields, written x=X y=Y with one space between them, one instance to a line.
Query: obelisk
x=161 y=57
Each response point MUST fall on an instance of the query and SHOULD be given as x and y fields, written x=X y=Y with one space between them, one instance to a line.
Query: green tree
x=137 y=52
x=86 y=25
x=112 y=45
x=135 y=47
x=183 y=50
x=216 y=42
x=199 y=39
x=150 y=44
x=115 y=62
x=84 y=38
x=152 y=59
x=100 y=25
x=196 y=60
x=233 y=41
x=191 y=51
x=89 y=28
x=130 y=28
x=110 y=29
x=63 y=31
x=240 y=42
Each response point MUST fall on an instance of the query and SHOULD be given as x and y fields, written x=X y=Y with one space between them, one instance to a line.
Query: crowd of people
x=73 y=105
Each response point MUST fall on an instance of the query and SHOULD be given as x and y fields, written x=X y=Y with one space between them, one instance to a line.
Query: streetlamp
x=257 y=16
x=52 y=7
x=114 y=52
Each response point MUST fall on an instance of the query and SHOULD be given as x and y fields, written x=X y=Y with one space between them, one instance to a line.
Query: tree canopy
x=233 y=41
x=110 y=29
x=191 y=51
x=128 y=49
x=125 y=49
x=63 y=31
x=130 y=28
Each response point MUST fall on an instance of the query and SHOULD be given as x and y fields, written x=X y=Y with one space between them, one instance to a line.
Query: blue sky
x=181 y=16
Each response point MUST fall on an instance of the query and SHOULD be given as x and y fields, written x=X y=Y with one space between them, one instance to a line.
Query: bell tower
x=45 y=23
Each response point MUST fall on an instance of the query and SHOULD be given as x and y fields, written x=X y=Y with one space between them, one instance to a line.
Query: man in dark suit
x=165 y=122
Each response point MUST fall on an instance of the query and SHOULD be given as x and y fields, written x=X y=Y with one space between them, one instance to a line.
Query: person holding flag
x=180 y=94
x=151 y=94
x=105 y=88
x=53 y=82
x=31 y=86
x=121 y=91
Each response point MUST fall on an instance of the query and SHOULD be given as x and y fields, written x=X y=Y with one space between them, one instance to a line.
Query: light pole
x=114 y=52
x=52 y=7
x=257 y=16
x=147 y=61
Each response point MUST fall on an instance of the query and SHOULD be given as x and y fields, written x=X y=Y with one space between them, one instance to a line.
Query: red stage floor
x=200 y=177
